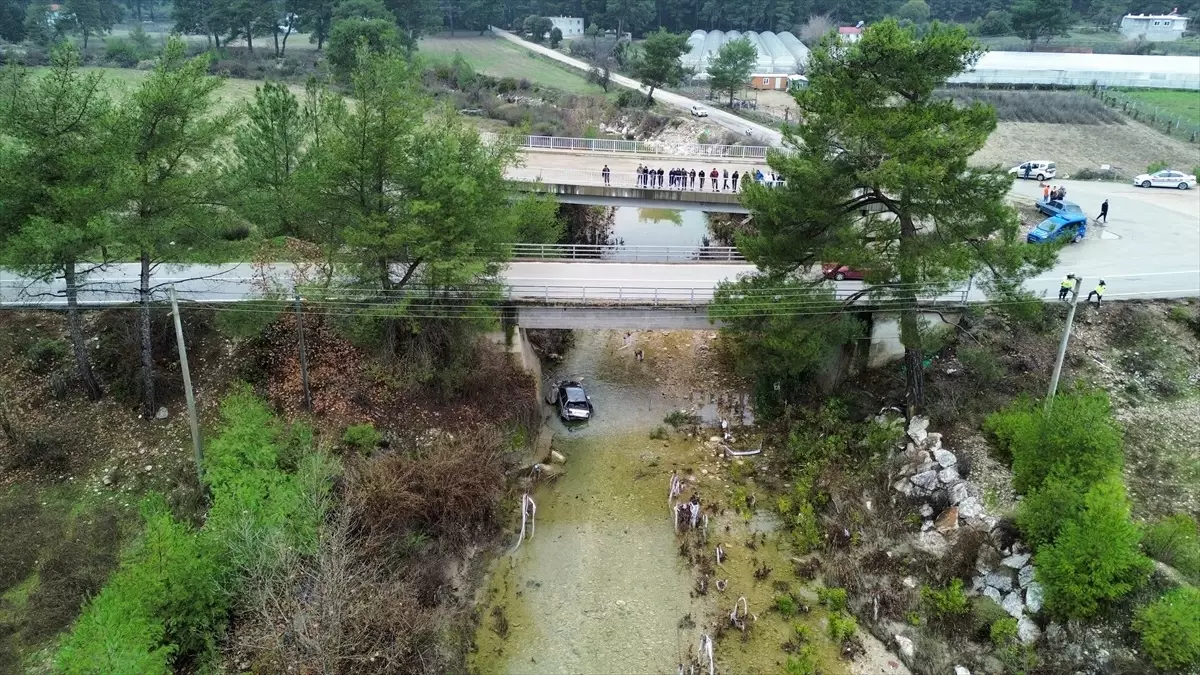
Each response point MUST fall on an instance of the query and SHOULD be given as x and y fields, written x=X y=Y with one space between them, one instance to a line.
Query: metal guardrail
x=610 y=145
x=622 y=253
x=653 y=296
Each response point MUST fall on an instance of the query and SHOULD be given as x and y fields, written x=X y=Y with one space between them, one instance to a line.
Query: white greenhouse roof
x=778 y=54
x=1112 y=70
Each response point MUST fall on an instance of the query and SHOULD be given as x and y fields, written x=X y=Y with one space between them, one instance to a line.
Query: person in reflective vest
x=1098 y=292
x=1067 y=285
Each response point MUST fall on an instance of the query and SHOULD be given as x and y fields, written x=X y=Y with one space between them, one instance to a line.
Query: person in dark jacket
x=606 y=173
x=1103 y=212
x=692 y=177
x=713 y=176
x=725 y=179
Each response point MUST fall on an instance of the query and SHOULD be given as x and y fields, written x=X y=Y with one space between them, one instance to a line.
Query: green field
x=1170 y=102
x=500 y=58
x=126 y=79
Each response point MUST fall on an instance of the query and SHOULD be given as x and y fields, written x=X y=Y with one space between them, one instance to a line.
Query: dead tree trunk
x=75 y=327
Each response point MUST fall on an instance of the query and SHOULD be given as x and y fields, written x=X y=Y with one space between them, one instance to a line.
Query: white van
x=1040 y=169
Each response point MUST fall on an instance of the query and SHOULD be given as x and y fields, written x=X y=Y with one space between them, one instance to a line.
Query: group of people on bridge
x=686 y=179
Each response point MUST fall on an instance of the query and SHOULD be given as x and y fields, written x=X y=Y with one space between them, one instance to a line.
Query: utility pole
x=303 y=355
x=197 y=448
x=1062 y=345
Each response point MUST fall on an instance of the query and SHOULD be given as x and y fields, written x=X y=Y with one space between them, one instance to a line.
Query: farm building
x=1153 y=27
x=571 y=26
x=778 y=54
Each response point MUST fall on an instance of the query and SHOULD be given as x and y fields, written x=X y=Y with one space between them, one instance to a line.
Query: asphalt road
x=763 y=135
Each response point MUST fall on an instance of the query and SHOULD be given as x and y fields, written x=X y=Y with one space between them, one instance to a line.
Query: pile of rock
x=929 y=473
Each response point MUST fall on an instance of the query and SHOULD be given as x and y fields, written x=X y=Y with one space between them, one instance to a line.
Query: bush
x=1088 y=173
x=982 y=363
x=362 y=438
x=239 y=232
x=1042 y=513
x=996 y=22
x=679 y=418
x=1095 y=557
x=803 y=662
x=1170 y=630
x=344 y=38
x=947 y=603
x=1156 y=166
x=985 y=612
x=842 y=626
x=1175 y=542
x=45 y=354
x=121 y=52
x=628 y=99
x=833 y=598
x=1076 y=437
x=785 y=605
x=659 y=433
x=1003 y=631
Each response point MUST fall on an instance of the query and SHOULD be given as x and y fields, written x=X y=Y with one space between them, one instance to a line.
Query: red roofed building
x=850 y=33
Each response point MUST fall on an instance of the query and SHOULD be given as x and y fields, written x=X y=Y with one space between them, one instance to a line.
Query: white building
x=1153 y=27
x=569 y=25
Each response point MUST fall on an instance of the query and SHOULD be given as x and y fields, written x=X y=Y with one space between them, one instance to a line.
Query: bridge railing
x=630 y=179
x=789 y=302
x=623 y=253
x=618 y=146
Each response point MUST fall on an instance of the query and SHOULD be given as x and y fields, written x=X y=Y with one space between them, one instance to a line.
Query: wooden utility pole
x=197 y=448
x=1062 y=345
x=303 y=355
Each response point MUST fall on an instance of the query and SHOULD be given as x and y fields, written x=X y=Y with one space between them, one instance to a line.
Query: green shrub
x=985 y=612
x=44 y=354
x=248 y=319
x=1176 y=542
x=121 y=52
x=833 y=598
x=1043 y=511
x=659 y=433
x=1156 y=166
x=1003 y=632
x=1095 y=557
x=947 y=603
x=982 y=363
x=1077 y=437
x=171 y=597
x=1170 y=630
x=679 y=418
x=803 y=662
x=1088 y=173
x=362 y=438
x=842 y=626
x=785 y=605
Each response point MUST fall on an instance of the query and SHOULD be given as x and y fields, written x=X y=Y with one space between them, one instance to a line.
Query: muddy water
x=601 y=586
x=659 y=227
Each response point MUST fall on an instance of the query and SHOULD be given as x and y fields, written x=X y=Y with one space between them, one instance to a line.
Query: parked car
x=841 y=272
x=1041 y=169
x=572 y=401
x=1167 y=178
x=1068 y=226
x=1056 y=207
x=697 y=111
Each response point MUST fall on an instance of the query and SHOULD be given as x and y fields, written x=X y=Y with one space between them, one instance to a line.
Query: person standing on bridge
x=713 y=176
x=701 y=180
x=660 y=177
x=692 y=177
x=725 y=179
x=605 y=173
x=1103 y=212
x=1098 y=292
x=1065 y=287
x=735 y=181
x=637 y=176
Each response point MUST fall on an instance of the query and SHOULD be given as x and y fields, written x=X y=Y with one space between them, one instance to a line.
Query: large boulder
x=1000 y=580
x=987 y=558
x=970 y=507
x=945 y=458
x=1025 y=577
x=948 y=476
x=1015 y=561
x=1034 y=597
x=989 y=592
x=948 y=521
x=959 y=493
x=926 y=480
x=1013 y=604
x=1027 y=630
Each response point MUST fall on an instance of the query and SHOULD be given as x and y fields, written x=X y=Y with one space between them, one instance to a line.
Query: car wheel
x=1146 y=183
x=1183 y=186
x=840 y=276
x=1041 y=176
x=1078 y=238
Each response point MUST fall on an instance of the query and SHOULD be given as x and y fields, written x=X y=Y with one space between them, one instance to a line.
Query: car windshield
x=575 y=395
x=1072 y=207
x=1047 y=225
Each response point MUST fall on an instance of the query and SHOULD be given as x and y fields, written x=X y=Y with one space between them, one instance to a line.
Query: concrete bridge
x=623 y=186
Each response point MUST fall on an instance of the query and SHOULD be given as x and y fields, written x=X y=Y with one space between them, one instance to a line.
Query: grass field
x=1171 y=102
x=500 y=58
x=126 y=79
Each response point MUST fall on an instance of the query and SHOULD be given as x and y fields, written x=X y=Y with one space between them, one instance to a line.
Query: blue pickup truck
x=1056 y=207
x=1067 y=226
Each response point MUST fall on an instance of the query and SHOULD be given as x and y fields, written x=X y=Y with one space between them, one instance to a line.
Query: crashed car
x=572 y=401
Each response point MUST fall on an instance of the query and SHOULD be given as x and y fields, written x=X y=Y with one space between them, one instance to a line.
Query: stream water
x=659 y=227
x=601 y=586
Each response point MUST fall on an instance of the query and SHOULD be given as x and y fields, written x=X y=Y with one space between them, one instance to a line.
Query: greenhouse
x=1083 y=70
x=777 y=53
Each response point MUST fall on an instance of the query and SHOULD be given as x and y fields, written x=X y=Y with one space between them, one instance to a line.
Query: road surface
x=758 y=133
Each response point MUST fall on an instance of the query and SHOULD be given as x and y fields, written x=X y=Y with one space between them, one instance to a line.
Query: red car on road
x=841 y=272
